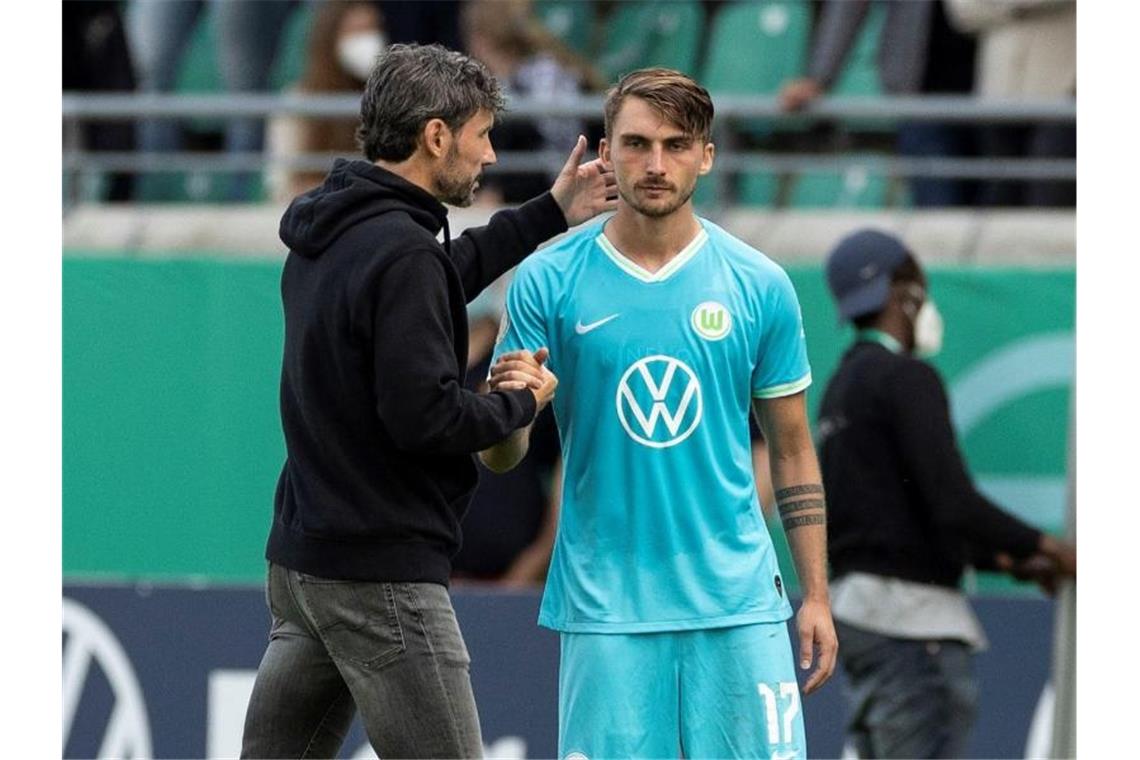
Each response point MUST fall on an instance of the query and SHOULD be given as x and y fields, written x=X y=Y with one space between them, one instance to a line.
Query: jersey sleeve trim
x=786 y=389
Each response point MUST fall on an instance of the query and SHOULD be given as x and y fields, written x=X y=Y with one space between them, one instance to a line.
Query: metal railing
x=735 y=115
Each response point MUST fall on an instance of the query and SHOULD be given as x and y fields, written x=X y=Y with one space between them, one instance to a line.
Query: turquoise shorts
x=723 y=692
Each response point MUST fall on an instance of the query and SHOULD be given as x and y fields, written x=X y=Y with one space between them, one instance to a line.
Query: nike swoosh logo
x=582 y=329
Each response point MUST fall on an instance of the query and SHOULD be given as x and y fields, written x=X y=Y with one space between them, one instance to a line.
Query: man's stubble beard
x=657 y=212
x=454 y=188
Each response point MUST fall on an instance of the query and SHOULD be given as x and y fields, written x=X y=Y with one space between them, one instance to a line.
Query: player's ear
x=707 y=158
x=604 y=153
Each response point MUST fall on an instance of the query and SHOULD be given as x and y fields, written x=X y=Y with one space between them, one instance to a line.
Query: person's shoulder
x=561 y=256
x=911 y=372
x=743 y=257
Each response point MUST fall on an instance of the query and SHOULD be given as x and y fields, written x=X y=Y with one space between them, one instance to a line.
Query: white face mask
x=928 y=330
x=928 y=326
x=357 y=53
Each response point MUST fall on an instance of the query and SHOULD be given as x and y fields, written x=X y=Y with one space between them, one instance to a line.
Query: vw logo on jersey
x=659 y=401
x=711 y=320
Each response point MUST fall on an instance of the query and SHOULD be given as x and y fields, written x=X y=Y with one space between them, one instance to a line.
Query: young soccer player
x=665 y=331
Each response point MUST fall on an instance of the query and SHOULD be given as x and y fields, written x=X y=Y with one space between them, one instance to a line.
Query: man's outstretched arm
x=800 y=500
x=581 y=192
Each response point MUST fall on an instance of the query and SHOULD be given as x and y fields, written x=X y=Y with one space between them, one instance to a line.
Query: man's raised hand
x=583 y=191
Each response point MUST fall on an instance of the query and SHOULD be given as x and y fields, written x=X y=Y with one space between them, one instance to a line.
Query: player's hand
x=517 y=370
x=521 y=369
x=1036 y=568
x=817 y=639
x=798 y=93
x=583 y=191
x=1061 y=552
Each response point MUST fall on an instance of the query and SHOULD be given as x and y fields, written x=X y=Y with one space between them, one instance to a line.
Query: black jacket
x=900 y=502
x=379 y=431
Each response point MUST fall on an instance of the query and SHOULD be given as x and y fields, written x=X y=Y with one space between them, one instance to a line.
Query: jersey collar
x=883 y=339
x=634 y=270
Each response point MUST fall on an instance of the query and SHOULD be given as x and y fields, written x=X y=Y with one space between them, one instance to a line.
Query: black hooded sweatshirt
x=380 y=434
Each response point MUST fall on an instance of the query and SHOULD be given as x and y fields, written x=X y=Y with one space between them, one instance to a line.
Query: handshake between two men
x=514 y=371
x=522 y=369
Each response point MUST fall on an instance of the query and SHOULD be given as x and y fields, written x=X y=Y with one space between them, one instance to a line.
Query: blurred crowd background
x=549 y=51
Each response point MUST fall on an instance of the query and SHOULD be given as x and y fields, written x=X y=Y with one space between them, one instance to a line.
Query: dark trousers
x=908 y=698
x=1038 y=141
x=393 y=651
x=929 y=140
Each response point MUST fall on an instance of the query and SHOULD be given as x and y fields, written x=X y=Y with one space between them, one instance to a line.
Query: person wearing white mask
x=904 y=517
x=345 y=41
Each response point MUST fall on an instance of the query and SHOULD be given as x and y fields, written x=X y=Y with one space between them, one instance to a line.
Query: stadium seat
x=856 y=187
x=758 y=189
x=748 y=189
x=754 y=47
x=705 y=196
x=571 y=21
x=643 y=33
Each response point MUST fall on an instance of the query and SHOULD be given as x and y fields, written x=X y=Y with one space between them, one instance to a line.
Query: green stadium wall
x=172 y=443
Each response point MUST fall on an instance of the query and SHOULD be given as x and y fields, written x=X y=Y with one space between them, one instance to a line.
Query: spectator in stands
x=532 y=63
x=904 y=517
x=248 y=35
x=920 y=51
x=344 y=43
x=96 y=58
x=419 y=22
x=1026 y=50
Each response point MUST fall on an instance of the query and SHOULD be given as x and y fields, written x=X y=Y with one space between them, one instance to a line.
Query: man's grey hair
x=413 y=84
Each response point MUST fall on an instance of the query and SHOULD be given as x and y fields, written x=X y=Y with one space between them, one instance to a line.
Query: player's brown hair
x=672 y=94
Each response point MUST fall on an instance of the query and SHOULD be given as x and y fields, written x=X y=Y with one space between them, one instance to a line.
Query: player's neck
x=894 y=323
x=651 y=242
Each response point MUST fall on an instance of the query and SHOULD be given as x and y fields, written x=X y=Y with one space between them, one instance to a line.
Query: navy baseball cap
x=859 y=271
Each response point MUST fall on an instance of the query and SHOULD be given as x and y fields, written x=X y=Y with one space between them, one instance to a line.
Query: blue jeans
x=393 y=651
x=908 y=698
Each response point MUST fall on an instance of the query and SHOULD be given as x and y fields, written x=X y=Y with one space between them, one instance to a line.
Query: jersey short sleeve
x=523 y=325
x=781 y=363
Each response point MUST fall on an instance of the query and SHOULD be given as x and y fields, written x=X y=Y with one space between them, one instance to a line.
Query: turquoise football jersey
x=661 y=527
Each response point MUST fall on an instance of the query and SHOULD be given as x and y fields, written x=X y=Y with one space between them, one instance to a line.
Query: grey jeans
x=393 y=651
x=908 y=698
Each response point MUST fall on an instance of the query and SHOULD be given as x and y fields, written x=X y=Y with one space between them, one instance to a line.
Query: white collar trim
x=635 y=270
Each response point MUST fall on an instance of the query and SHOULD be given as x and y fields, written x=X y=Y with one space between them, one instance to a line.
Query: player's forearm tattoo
x=791 y=523
x=786 y=508
x=791 y=502
x=787 y=493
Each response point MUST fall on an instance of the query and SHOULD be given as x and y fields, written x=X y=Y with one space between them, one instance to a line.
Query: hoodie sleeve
x=419 y=397
x=482 y=254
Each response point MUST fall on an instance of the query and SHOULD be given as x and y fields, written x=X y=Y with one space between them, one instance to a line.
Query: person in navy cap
x=905 y=518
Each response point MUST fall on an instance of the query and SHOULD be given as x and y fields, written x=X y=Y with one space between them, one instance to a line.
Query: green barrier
x=172 y=444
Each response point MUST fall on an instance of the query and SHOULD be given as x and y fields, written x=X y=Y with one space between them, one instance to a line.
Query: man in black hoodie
x=379 y=431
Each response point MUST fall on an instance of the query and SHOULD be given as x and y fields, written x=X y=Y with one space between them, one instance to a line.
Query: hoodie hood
x=353 y=192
